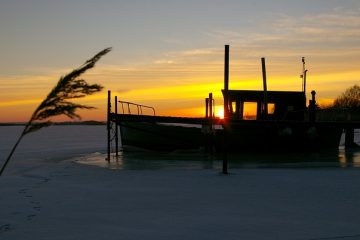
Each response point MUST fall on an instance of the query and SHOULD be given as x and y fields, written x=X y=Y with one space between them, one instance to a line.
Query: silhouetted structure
x=281 y=122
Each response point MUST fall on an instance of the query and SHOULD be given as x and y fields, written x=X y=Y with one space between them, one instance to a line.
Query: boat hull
x=264 y=136
x=160 y=137
x=238 y=136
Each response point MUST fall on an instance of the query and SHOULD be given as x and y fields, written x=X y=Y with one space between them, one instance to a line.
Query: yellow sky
x=177 y=89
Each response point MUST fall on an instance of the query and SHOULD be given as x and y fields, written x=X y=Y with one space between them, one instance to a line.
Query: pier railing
x=139 y=108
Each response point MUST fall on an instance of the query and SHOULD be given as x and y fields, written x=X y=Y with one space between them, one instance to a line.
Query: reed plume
x=57 y=101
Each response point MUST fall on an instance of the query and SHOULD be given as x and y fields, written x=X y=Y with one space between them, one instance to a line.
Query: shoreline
x=90 y=122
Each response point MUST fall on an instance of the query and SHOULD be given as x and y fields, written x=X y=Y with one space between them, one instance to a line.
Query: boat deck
x=189 y=120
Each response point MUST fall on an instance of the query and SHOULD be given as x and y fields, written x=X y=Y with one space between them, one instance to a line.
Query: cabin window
x=271 y=108
x=250 y=110
x=233 y=106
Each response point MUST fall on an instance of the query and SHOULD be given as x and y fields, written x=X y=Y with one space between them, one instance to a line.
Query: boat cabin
x=281 y=105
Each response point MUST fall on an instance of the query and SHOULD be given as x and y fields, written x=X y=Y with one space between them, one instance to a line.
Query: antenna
x=303 y=75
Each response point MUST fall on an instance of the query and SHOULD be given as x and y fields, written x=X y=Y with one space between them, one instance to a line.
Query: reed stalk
x=57 y=101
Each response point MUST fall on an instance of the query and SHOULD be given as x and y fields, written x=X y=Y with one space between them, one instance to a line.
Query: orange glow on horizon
x=324 y=102
x=173 y=97
x=19 y=102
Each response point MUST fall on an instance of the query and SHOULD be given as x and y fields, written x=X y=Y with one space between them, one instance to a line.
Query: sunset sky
x=169 y=53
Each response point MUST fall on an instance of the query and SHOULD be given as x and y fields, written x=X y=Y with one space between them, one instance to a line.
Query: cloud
x=197 y=52
x=122 y=91
x=339 y=28
x=164 y=61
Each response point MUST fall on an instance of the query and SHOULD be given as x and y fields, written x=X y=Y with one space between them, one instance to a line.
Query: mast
x=226 y=82
x=303 y=75
x=265 y=101
x=108 y=125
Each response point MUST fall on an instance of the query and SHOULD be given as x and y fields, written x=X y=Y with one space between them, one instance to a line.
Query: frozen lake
x=87 y=145
x=46 y=194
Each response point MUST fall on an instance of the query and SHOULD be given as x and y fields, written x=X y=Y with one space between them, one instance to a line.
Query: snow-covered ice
x=45 y=194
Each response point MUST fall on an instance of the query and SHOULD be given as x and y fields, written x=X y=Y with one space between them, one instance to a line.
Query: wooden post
x=225 y=151
x=349 y=137
x=304 y=75
x=116 y=131
x=349 y=134
x=265 y=102
x=312 y=107
x=211 y=105
x=108 y=125
x=241 y=112
x=226 y=83
x=206 y=107
x=226 y=110
x=211 y=118
x=305 y=72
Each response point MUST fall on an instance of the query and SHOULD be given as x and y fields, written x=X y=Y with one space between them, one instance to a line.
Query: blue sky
x=34 y=32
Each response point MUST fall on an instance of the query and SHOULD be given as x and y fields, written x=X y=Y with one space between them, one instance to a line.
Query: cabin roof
x=257 y=95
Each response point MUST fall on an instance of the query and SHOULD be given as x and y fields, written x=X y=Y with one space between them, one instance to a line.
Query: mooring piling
x=349 y=137
x=312 y=107
x=206 y=107
x=226 y=82
x=265 y=104
x=225 y=151
x=226 y=108
x=108 y=125
x=116 y=131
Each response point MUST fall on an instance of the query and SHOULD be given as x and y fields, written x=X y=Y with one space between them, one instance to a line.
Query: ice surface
x=50 y=144
x=45 y=196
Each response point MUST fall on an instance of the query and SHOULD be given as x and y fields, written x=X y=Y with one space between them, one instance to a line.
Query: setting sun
x=219 y=112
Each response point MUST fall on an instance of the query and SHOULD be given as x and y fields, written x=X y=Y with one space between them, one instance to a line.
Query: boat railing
x=127 y=106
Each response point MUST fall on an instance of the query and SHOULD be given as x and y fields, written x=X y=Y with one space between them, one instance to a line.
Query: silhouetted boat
x=283 y=128
x=281 y=122
x=140 y=127
x=158 y=136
